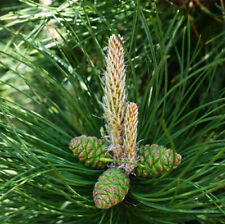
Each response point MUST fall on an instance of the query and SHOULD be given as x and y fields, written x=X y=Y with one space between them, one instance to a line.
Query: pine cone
x=111 y=188
x=89 y=150
x=157 y=160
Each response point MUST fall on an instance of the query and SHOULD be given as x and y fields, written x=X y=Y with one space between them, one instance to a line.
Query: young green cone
x=89 y=150
x=157 y=160
x=111 y=188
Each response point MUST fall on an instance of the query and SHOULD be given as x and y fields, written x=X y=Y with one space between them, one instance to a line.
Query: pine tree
x=50 y=88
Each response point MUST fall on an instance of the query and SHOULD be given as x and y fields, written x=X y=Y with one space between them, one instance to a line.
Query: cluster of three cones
x=121 y=125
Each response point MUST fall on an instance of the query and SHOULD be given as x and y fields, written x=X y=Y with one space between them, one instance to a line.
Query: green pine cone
x=157 y=160
x=111 y=188
x=89 y=150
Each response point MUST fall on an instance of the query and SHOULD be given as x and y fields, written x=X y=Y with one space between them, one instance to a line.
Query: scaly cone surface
x=157 y=160
x=89 y=150
x=130 y=136
x=111 y=188
x=114 y=94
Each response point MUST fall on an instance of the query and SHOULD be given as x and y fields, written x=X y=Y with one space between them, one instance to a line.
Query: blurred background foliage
x=52 y=57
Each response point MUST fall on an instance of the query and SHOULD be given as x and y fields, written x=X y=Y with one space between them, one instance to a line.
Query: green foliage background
x=50 y=89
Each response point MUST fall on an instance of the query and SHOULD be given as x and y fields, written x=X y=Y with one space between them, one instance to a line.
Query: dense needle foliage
x=52 y=58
